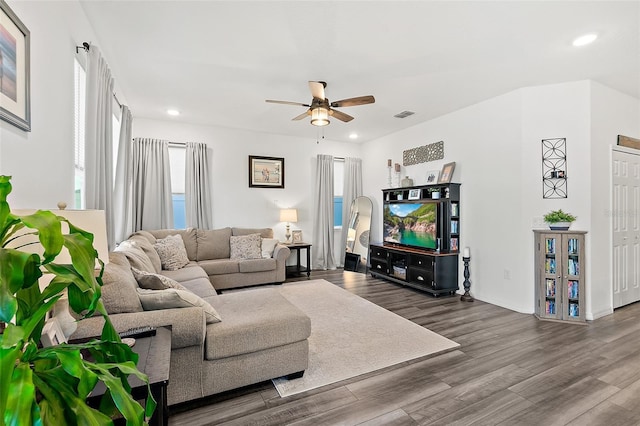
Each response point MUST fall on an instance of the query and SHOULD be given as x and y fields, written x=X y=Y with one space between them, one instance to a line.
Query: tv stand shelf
x=434 y=273
x=421 y=238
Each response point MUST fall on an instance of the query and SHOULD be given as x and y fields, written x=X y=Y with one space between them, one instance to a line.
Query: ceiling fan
x=320 y=108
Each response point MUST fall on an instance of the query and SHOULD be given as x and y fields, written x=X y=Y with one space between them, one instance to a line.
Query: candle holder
x=466 y=297
x=398 y=180
x=389 y=182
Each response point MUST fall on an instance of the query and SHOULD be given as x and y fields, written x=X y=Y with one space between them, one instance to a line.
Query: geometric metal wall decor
x=422 y=154
x=554 y=168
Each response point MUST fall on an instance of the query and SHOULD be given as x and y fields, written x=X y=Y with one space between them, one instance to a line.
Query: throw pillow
x=246 y=247
x=152 y=281
x=135 y=255
x=173 y=298
x=173 y=254
x=268 y=246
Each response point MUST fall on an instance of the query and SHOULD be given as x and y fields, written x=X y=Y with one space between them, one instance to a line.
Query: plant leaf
x=21 y=397
x=49 y=232
x=8 y=358
x=19 y=270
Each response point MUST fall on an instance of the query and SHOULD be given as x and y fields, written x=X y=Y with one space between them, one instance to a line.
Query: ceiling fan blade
x=301 y=116
x=340 y=115
x=317 y=89
x=286 y=103
x=360 y=100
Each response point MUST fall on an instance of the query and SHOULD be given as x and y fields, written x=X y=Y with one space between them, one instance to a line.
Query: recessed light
x=585 y=39
x=353 y=136
x=173 y=112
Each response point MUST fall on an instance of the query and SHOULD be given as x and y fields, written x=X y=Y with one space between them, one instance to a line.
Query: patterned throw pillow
x=152 y=281
x=173 y=298
x=246 y=246
x=173 y=254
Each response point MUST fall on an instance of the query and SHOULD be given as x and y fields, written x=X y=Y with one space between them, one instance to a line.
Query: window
x=338 y=187
x=177 y=164
x=78 y=117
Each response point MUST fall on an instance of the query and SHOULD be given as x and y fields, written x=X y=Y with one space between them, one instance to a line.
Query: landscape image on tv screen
x=410 y=224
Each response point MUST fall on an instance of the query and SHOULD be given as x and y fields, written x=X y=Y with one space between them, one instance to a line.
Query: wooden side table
x=296 y=270
x=154 y=359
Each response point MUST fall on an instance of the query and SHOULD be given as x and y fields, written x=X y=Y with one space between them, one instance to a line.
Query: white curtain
x=323 y=226
x=197 y=190
x=99 y=139
x=122 y=202
x=151 y=185
x=352 y=189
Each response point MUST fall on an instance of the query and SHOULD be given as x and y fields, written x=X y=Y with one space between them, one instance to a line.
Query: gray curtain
x=352 y=189
x=122 y=202
x=99 y=139
x=197 y=190
x=323 y=225
x=151 y=185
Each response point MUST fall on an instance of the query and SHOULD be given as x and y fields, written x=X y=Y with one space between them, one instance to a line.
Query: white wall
x=41 y=161
x=612 y=113
x=484 y=141
x=234 y=203
x=496 y=145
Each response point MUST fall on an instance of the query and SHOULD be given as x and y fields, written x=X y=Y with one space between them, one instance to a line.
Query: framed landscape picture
x=447 y=173
x=266 y=172
x=15 y=105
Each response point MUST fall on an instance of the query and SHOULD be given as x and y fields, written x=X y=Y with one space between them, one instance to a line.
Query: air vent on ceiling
x=404 y=114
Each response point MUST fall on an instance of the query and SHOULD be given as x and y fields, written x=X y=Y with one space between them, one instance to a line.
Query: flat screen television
x=411 y=224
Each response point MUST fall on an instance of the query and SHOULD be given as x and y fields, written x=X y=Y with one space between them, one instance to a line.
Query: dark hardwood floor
x=511 y=369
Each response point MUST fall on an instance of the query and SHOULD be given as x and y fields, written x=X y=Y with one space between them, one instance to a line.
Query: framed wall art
x=432 y=176
x=266 y=172
x=15 y=103
x=414 y=194
x=447 y=173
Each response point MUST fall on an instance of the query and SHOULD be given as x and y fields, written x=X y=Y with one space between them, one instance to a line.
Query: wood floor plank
x=511 y=369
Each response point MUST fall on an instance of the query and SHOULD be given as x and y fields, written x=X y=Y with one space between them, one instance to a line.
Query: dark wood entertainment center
x=434 y=271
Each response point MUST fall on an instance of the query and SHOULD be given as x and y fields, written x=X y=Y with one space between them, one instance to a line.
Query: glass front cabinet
x=559 y=272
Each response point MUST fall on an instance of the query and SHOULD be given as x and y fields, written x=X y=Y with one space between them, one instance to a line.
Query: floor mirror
x=359 y=229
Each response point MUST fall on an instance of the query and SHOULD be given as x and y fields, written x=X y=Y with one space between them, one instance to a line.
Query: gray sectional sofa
x=255 y=334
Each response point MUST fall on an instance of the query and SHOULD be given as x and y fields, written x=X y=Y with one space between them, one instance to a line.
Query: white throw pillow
x=151 y=281
x=172 y=252
x=246 y=246
x=153 y=300
x=268 y=246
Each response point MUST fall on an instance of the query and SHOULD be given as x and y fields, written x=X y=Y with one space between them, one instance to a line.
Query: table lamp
x=288 y=215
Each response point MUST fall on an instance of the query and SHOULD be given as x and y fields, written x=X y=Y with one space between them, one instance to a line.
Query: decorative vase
x=407 y=181
x=435 y=195
x=560 y=226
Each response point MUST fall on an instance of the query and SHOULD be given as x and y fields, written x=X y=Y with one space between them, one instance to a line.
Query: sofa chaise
x=219 y=341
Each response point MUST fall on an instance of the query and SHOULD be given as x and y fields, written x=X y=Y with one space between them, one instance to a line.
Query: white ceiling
x=217 y=61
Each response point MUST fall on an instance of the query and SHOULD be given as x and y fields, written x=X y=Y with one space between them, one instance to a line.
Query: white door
x=626 y=228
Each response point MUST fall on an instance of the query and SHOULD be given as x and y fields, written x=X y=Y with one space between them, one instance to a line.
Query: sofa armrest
x=281 y=254
x=188 y=326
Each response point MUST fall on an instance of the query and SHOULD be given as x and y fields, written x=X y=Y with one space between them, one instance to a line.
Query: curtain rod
x=86 y=46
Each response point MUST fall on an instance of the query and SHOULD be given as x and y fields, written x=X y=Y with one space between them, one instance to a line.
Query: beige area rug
x=351 y=336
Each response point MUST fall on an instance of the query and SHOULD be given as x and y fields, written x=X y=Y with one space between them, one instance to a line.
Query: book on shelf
x=454 y=209
x=574 y=310
x=550 y=246
x=550 y=266
x=454 y=244
x=572 y=290
x=573 y=267
x=551 y=287
x=573 y=246
x=454 y=226
x=550 y=307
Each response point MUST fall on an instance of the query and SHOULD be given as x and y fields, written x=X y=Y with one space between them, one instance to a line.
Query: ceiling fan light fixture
x=320 y=116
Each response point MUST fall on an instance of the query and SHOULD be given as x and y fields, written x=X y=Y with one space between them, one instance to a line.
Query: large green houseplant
x=49 y=386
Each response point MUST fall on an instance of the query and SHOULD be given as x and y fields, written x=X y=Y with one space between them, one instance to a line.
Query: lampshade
x=320 y=116
x=288 y=215
x=93 y=221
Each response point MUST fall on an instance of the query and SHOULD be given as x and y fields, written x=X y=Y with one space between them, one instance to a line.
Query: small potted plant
x=559 y=220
